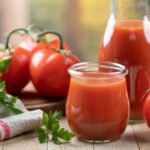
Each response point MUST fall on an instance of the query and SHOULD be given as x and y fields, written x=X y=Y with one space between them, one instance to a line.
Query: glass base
x=98 y=141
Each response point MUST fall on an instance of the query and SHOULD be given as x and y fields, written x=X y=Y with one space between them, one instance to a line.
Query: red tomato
x=29 y=44
x=49 y=72
x=29 y=41
x=17 y=75
x=26 y=40
x=53 y=44
x=146 y=110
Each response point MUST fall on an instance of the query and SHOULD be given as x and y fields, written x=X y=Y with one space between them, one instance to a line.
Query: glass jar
x=126 y=40
x=97 y=105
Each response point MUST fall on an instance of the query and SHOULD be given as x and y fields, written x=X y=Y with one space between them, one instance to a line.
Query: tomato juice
x=97 y=106
x=128 y=42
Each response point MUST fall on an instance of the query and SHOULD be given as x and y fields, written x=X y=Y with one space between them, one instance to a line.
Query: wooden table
x=136 y=137
x=32 y=100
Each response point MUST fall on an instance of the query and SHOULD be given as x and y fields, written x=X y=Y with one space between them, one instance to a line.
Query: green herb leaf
x=65 y=134
x=2 y=87
x=45 y=119
x=4 y=64
x=57 y=115
x=5 y=61
x=8 y=101
x=55 y=139
x=16 y=110
x=52 y=127
x=42 y=136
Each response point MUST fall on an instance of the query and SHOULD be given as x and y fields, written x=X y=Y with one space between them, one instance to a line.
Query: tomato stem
x=34 y=28
x=11 y=33
x=51 y=32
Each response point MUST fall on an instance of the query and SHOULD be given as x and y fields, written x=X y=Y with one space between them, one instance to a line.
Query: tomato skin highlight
x=17 y=75
x=49 y=72
x=146 y=110
x=29 y=44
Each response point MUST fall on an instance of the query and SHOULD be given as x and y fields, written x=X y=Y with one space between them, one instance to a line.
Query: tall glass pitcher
x=126 y=40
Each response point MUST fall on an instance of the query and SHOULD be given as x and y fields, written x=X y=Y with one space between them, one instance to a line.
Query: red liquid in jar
x=97 y=111
x=128 y=43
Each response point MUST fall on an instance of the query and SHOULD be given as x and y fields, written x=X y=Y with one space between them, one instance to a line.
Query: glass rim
x=119 y=69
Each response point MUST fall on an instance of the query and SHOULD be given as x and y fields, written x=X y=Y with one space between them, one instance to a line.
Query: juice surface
x=97 y=111
x=129 y=44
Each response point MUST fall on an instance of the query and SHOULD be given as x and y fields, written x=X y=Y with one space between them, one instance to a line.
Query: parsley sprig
x=6 y=59
x=52 y=127
x=8 y=101
x=4 y=63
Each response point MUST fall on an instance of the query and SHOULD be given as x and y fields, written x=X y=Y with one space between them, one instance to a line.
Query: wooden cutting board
x=32 y=100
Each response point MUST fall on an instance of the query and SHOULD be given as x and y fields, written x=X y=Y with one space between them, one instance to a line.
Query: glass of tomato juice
x=97 y=107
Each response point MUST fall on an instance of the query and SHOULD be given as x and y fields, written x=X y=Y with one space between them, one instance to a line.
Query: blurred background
x=81 y=22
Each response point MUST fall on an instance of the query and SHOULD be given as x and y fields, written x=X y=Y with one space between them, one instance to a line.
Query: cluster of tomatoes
x=41 y=57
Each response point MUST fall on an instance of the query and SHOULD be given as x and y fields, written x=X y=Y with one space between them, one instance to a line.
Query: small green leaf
x=50 y=114
x=13 y=99
x=55 y=127
x=4 y=64
x=2 y=86
x=65 y=134
x=51 y=123
x=16 y=110
x=45 y=119
x=55 y=139
x=41 y=134
x=8 y=101
x=57 y=115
